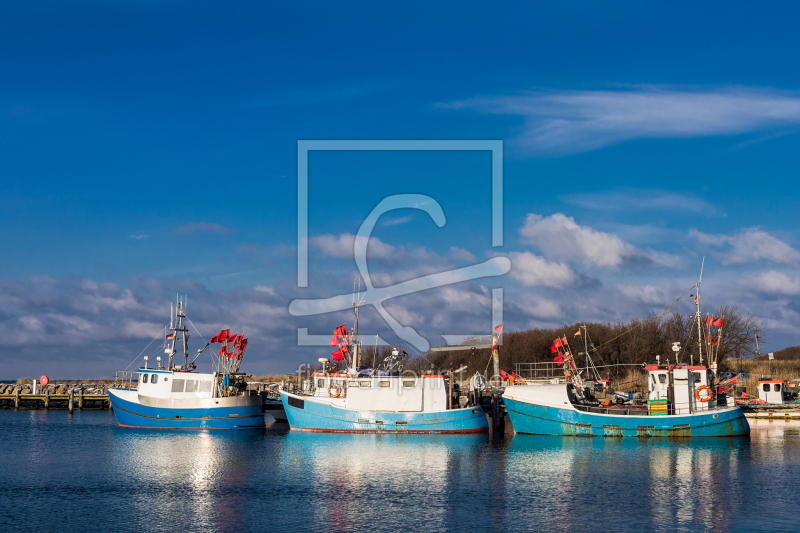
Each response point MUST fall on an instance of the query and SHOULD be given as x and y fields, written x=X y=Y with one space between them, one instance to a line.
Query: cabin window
x=366 y=384
x=766 y=387
x=320 y=383
x=352 y=384
x=696 y=376
x=777 y=387
x=177 y=385
x=662 y=378
x=205 y=386
x=153 y=378
x=409 y=384
x=144 y=378
x=191 y=385
x=653 y=376
x=383 y=384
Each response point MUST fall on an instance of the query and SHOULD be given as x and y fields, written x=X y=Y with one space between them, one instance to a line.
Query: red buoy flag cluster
x=234 y=345
x=340 y=339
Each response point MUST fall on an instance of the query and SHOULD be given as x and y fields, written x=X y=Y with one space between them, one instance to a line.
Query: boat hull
x=546 y=420
x=306 y=414
x=240 y=412
x=274 y=408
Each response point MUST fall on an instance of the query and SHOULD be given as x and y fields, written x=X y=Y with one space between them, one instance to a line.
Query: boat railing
x=682 y=409
x=126 y=379
x=538 y=371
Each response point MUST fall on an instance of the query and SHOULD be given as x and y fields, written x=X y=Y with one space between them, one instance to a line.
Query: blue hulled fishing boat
x=683 y=400
x=357 y=399
x=178 y=397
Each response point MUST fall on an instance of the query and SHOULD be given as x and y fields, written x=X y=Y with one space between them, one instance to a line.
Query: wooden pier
x=772 y=412
x=68 y=402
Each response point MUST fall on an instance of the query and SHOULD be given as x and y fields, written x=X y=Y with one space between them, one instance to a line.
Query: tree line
x=634 y=341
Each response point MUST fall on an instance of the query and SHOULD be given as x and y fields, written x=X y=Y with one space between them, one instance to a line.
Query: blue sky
x=150 y=148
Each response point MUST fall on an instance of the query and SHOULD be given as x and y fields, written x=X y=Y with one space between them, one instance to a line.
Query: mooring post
x=46 y=399
x=16 y=399
x=495 y=413
x=80 y=400
x=69 y=401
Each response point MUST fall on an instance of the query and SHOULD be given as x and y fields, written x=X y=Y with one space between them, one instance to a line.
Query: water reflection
x=281 y=480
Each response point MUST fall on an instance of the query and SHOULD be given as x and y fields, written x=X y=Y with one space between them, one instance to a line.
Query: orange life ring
x=697 y=393
x=338 y=390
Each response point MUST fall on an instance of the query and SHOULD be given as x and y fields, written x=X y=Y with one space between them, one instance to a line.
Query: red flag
x=559 y=359
x=513 y=374
x=717 y=322
x=708 y=338
x=345 y=349
x=732 y=381
x=223 y=335
x=564 y=341
x=222 y=351
x=341 y=331
x=214 y=339
x=243 y=345
x=232 y=338
x=716 y=342
x=553 y=349
x=337 y=355
x=334 y=342
x=498 y=328
x=557 y=343
x=503 y=375
x=708 y=320
x=238 y=340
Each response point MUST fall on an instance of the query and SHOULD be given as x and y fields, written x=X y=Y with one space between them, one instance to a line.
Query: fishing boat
x=345 y=397
x=179 y=397
x=682 y=401
x=680 y=404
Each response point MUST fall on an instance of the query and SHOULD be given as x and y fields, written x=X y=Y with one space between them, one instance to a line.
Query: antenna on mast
x=697 y=302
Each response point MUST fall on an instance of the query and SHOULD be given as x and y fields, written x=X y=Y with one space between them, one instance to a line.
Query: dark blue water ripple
x=84 y=473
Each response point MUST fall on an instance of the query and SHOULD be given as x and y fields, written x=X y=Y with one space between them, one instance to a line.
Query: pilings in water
x=19 y=400
x=492 y=404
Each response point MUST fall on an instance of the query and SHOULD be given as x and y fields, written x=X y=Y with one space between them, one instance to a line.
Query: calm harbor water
x=85 y=473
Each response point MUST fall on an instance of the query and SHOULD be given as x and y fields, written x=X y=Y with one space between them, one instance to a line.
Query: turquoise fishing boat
x=346 y=397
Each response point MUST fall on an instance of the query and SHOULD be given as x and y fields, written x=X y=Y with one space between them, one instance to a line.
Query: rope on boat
x=146 y=347
x=401 y=340
x=665 y=311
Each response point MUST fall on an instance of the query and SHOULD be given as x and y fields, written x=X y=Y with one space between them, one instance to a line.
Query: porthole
x=716 y=415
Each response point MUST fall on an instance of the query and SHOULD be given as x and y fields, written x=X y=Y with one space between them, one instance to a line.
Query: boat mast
x=697 y=301
x=355 y=343
x=172 y=328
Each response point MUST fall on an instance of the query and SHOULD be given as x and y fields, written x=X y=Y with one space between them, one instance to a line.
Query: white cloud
x=532 y=270
x=201 y=227
x=265 y=288
x=647 y=294
x=773 y=282
x=628 y=199
x=560 y=237
x=341 y=246
x=139 y=237
x=576 y=121
x=540 y=307
x=749 y=245
x=459 y=254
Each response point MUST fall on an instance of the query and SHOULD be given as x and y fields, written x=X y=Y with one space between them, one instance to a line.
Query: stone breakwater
x=60 y=395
